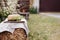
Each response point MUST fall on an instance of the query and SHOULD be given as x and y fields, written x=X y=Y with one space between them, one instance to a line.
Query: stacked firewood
x=18 y=34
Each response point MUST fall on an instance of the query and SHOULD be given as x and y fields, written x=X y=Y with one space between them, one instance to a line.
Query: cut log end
x=18 y=34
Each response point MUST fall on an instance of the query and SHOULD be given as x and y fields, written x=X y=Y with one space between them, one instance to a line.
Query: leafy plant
x=33 y=10
x=3 y=15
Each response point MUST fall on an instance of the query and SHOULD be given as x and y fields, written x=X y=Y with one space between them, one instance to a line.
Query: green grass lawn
x=43 y=27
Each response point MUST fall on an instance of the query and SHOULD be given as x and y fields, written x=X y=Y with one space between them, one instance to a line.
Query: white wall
x=36 y=4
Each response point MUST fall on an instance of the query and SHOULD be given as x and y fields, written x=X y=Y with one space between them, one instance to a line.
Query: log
x=18 y=34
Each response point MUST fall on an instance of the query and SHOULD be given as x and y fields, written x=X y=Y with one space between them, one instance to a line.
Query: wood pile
x=18 y=34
